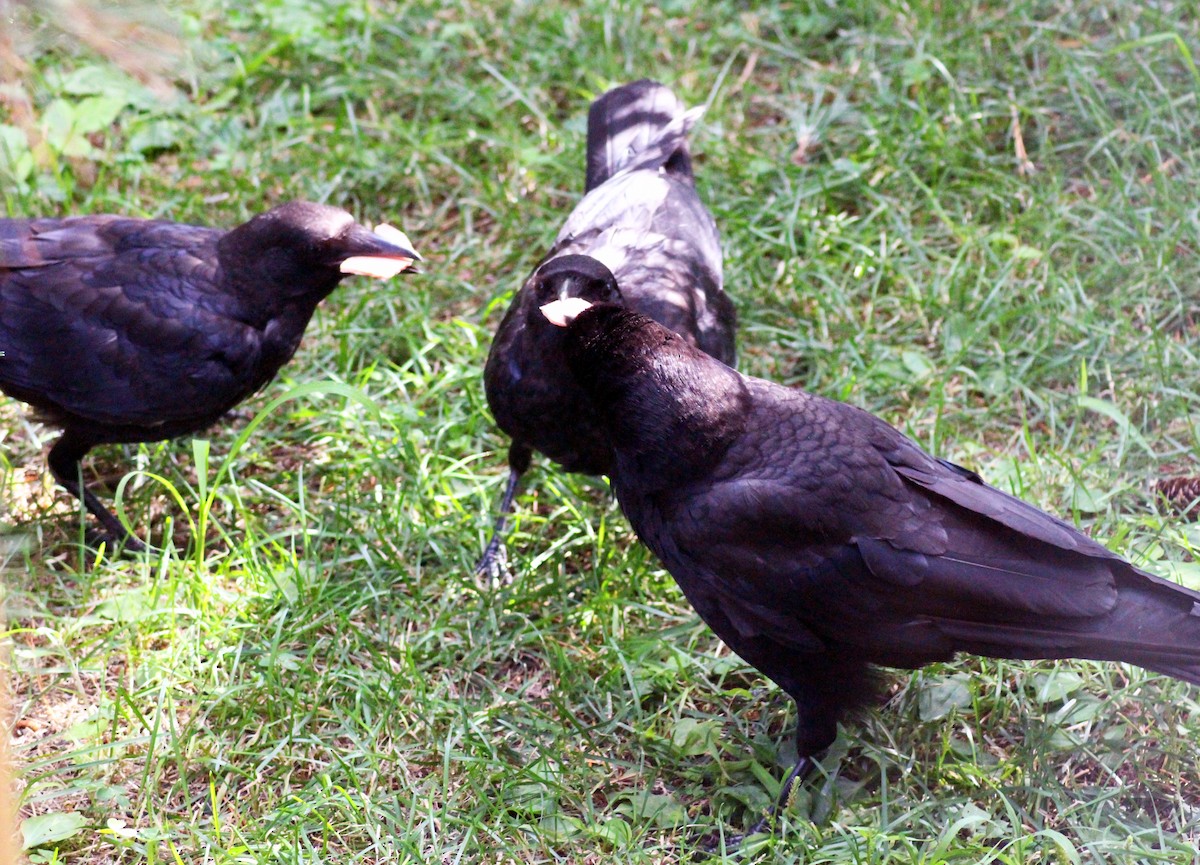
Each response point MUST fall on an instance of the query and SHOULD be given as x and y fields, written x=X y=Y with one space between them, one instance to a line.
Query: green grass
x=310 y=672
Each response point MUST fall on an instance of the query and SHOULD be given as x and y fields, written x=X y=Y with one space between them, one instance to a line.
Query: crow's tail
x=1159 y=624
x=638 y=125
x=1154 y=624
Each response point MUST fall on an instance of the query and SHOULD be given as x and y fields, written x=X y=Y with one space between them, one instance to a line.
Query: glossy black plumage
x=640 y=237
x=132 y=330
x=817 y=540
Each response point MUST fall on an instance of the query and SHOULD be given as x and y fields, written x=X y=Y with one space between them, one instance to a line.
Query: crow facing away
x=817 y=540
x=640 y=237
x=135 y=330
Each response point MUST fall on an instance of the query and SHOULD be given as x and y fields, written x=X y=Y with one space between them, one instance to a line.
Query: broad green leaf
x=943 y=696
x=1057 y=686
x=692 y=737
x=51 y=828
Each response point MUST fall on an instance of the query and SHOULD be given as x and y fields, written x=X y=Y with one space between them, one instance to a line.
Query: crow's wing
x=636 y=211
x=825 y=513
x=661 y=244
x=119 y=321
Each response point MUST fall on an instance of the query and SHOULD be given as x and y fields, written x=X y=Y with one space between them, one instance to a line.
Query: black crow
x=817 y=540
x=640 y=237
x=136 y=330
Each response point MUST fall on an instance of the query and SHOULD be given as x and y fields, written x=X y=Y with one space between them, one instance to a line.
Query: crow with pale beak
x=640 y=237
x=134 y=330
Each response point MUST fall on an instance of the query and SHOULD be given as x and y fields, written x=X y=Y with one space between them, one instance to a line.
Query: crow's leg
x=799 y=771
x=820 y=697
x=493 y=565
x=64 y=465
x=767 y=823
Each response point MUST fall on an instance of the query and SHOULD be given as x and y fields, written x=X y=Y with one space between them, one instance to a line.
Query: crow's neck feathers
x=278 y=261
x=670 y=409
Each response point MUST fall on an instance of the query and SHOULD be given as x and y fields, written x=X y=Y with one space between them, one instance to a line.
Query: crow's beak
x=563 y=312
x=381 y=253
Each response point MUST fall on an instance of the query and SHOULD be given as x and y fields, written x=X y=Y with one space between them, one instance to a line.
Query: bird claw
x=717 y=845
x=766 y=824
x=492 y=571
x=113 y=534
x=113 y=545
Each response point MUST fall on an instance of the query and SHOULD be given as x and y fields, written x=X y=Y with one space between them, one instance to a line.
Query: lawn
x=979 y=221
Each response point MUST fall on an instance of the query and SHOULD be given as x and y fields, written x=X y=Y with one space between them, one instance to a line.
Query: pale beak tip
x=562 y=312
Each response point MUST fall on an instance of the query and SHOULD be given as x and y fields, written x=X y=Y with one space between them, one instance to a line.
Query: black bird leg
x=799 y=771
x=64 y=465
x=494 y=561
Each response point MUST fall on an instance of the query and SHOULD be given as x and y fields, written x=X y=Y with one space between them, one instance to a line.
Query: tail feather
x=642 y=124
x=1154 y=624
x=1157 y=626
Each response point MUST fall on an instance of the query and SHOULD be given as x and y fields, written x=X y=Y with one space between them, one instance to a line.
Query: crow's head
x=301 y=248
x=578 y=276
